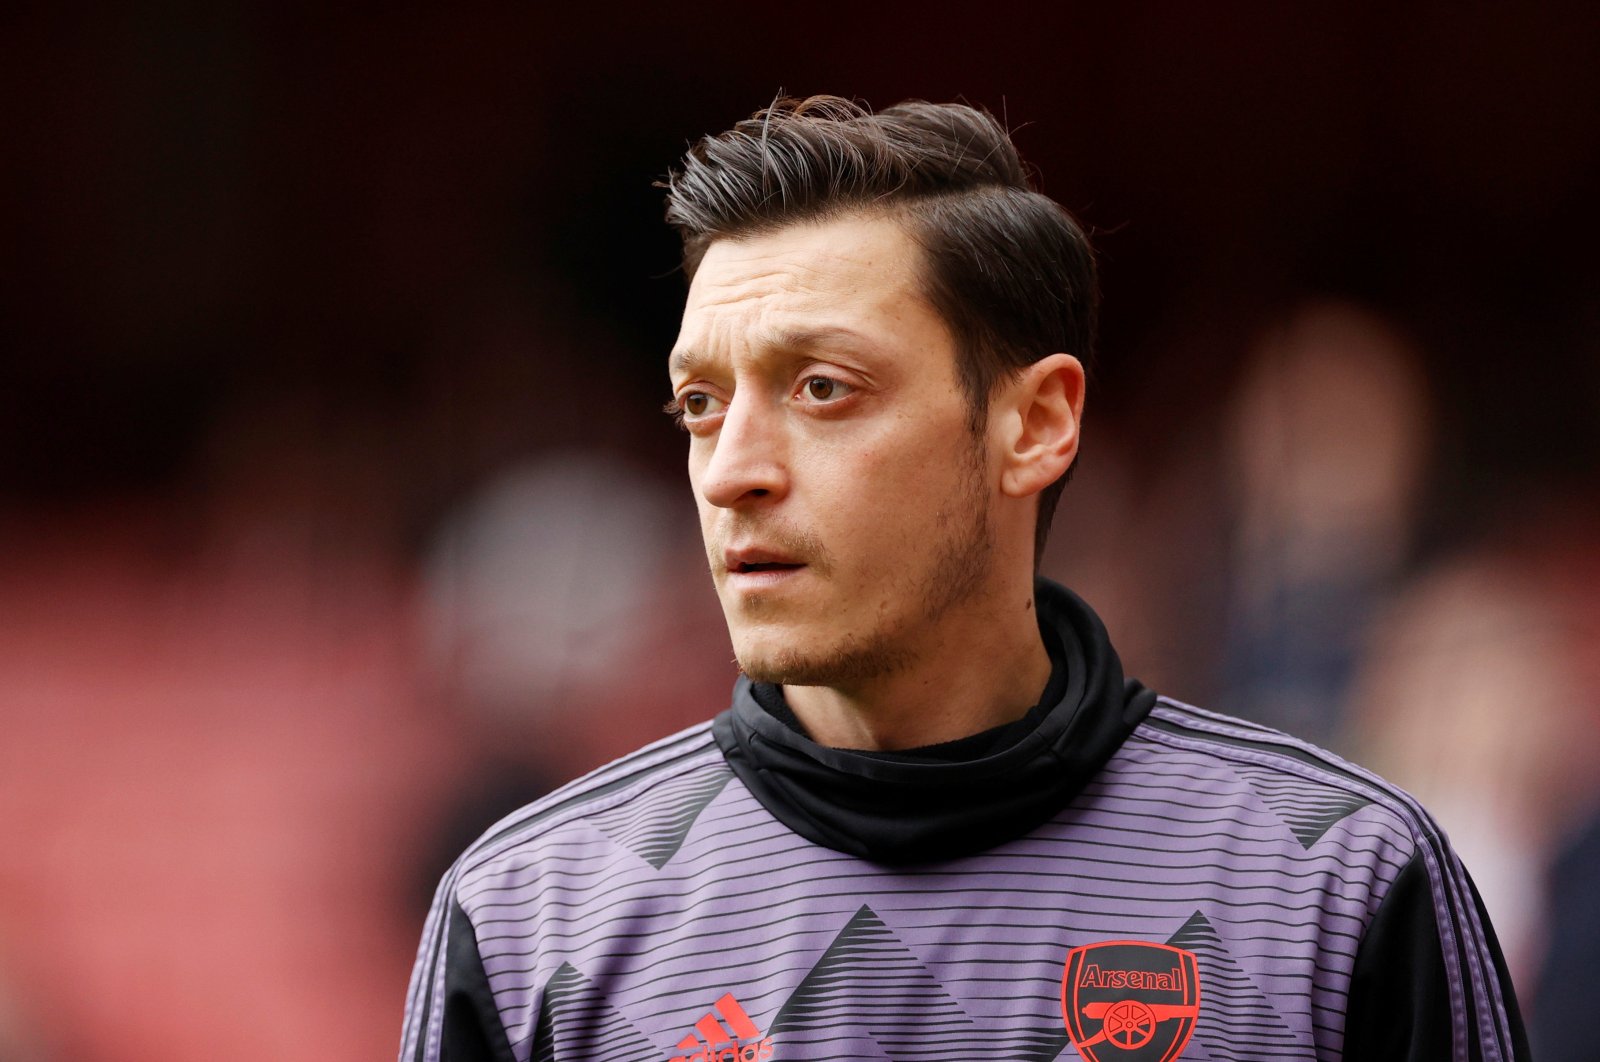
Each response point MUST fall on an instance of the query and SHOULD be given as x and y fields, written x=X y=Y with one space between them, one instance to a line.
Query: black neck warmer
x=957 y=798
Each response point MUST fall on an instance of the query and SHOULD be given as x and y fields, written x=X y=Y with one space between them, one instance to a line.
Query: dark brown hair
x=1009 y=270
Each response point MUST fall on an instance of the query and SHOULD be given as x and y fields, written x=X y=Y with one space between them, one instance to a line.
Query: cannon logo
x=1130 y=1001
x=740 y=1040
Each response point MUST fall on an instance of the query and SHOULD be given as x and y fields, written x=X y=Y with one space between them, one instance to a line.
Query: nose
x=748 y=460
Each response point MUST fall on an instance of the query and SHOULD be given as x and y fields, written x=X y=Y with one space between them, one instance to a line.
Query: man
x=935 y=823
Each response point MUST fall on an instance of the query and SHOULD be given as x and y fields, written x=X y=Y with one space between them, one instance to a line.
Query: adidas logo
x=738 y=1041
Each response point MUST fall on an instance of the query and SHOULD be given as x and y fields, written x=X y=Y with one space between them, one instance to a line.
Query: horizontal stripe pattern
x=614 y=913
x=1475 y=997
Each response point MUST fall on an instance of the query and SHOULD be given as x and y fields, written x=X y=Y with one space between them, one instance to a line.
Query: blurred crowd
x=336 y=519
x=1277 y=568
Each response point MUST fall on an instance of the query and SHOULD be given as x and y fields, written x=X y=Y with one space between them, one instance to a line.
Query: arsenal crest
x=1130 y=1001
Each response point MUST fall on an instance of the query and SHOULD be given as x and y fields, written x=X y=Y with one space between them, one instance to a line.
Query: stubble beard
x=957 y=573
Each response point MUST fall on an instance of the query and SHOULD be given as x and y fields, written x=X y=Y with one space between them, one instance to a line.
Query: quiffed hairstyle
x=1009 y=270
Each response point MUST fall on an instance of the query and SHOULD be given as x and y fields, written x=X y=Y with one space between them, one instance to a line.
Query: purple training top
x=1196 y=887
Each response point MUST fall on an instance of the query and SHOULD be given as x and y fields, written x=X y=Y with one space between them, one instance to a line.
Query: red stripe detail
x=737 y=1019
x=687 y=1042
x=712 y=1030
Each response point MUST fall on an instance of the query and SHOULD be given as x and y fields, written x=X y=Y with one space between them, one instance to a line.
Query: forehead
x=860 y=273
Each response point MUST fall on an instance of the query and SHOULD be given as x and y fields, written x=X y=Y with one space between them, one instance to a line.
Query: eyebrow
x=799 y=338
x=687 y=361
x=684 y=361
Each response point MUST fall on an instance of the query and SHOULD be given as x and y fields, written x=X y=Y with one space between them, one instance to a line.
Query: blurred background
x=337 y=519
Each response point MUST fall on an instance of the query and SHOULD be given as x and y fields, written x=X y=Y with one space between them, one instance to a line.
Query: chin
x=842 y=661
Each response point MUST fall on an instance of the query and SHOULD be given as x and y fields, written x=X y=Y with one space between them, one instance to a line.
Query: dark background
x=218 y=202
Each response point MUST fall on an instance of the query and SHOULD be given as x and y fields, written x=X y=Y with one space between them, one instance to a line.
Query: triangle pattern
x=575 y=1021
x=1237 y=1023
x=655 y=828
x=868 y=980
x=1309 y=809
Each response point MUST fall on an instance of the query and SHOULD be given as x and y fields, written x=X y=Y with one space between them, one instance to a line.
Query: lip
x=749 y=566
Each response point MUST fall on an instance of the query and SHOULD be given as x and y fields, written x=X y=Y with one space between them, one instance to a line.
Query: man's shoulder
x=1312 y=788
x=684 y=766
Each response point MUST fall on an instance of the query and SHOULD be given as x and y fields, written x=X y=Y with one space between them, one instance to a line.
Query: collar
x=919 y=808
x=972 y=747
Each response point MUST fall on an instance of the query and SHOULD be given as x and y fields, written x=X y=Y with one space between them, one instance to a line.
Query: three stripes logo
x=740 y=1040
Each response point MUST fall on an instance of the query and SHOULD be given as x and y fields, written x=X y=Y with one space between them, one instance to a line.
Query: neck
x=980 y=669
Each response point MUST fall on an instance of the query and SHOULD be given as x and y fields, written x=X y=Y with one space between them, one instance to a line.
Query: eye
x=824 y=388
x=689 y=407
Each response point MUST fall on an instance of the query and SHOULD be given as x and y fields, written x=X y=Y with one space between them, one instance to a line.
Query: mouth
x=744 y=568
x=757 y=566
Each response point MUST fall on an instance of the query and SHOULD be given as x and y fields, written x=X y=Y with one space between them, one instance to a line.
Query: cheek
x=696 y=474
x=913 y=467
x=886 y=503
x=708 y=528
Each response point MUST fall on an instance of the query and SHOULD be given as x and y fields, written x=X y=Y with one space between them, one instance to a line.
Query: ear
x=1039 y=414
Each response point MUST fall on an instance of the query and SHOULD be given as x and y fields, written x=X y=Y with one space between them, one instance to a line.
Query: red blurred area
x=211 y=776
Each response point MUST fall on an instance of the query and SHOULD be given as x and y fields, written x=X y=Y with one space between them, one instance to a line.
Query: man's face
x=843 y=496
